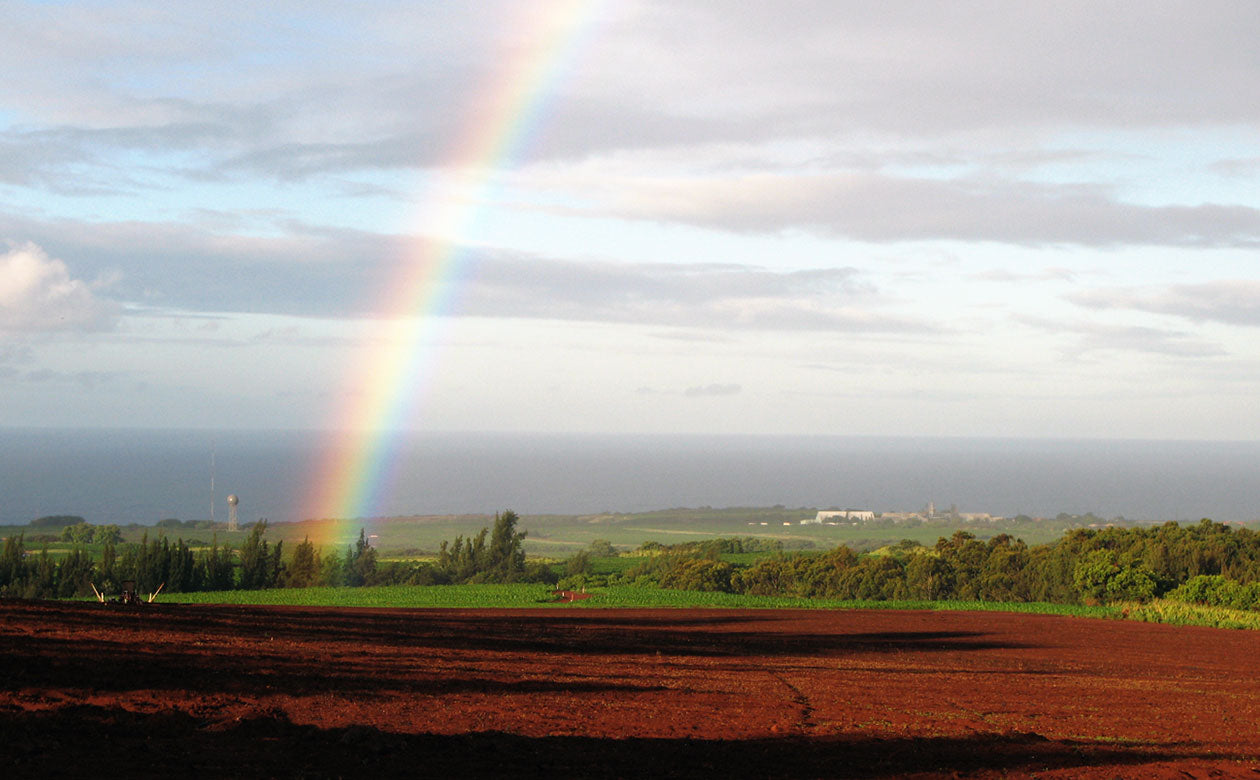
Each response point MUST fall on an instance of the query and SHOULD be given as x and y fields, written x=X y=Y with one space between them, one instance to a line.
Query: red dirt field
x=162 y=690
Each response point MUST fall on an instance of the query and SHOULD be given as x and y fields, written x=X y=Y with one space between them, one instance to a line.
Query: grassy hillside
x=559 y=536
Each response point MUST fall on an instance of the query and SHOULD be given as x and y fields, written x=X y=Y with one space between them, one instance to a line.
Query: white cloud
x=1244 y=167
x=1096 y=336
x=875 y=207
x=711 y=296
x=717 y=190
x=38 y=294
x=341 y=273
x=710 y=390
x=1232 y=301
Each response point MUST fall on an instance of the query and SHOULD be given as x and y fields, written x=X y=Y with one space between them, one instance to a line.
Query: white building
x=840 y=514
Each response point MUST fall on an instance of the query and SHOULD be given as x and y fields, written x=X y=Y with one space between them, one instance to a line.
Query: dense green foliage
x=711 y=548
x=149 y=563
x=1207 y=564
x=1180 y=613
x=56 y=521
x=1215 y=590
x=500 y=559
x=260 y=567
x=1084 y=567
x=84 y=533
x=494 y=555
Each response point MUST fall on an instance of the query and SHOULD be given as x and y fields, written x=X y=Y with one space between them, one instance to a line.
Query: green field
x=559 y=536
x=628 y=596
x=532 y=595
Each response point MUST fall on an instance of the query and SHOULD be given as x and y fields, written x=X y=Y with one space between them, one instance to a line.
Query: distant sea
x=124 y=476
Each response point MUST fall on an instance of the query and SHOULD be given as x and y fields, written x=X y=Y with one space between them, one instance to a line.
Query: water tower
x=232 y=502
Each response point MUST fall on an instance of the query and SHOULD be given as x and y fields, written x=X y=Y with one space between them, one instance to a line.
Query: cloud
x=718 y=296
x=38 y=294
x=1149 y=340
x=913 y=69
x=1092 y=337
x=1234 y=302
x=709 y=391
x=82 y=160
x=290 y=90
x=1003 y=275
x=1239 y=167
x=15 y=353
x=84 y=379
x=714 y=390
x=881 y=208
x=323 y=272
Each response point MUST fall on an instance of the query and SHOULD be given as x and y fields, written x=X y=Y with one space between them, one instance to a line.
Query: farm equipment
x=129 y=596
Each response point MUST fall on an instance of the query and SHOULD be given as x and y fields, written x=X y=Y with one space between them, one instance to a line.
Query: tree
x=928 y=576
x=332 y=570
x=56 y=521
x=183 y=574
x=74 y=573
x=217 y=565
x=965 y=556
x=109 y=557
x=689 y=573
x=79 y=533
x=360 y=566
x=303 y=570
x=602 y=548
x=42 y=582
x=506 y=552
x=492 y=555
x=1131 y=583
x=1000 y=578
x=1099 y=577
x=260 y=567
x=579 y=563
x=12 y=562
x=106 y=534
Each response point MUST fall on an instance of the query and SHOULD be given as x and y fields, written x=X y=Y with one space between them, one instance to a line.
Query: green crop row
x=465 y=596
x=532 y=595
x=1179 y=613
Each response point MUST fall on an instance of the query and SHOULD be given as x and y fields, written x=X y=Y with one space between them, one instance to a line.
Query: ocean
x=125 y=476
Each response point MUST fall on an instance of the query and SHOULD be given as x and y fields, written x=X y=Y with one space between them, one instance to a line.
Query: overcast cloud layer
x=974 y=218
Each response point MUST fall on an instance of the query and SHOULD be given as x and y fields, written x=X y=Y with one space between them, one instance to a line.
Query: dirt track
x=89 y=690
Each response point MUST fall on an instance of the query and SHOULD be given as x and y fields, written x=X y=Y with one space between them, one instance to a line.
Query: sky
x=843 y=218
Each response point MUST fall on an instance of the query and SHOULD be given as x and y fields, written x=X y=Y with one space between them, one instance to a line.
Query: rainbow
x=357 y=468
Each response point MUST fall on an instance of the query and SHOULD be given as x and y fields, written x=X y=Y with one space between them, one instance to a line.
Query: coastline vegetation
x=1205 y=574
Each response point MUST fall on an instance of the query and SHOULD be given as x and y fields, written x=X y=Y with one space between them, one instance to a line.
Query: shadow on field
x=250 y=650
x=102 y=667
x=588 y=633
x=117 y=742
x=95 y=665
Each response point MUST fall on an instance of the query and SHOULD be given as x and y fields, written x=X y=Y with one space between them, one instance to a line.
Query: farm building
x=840 y=514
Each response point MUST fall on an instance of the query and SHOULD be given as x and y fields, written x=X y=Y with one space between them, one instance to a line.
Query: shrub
x=1215 y=590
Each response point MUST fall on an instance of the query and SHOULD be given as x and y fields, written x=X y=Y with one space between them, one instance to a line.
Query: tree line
x=492 y=555
x=1207 y=563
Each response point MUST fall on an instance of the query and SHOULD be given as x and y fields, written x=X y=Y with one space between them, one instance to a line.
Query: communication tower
x=232 y=502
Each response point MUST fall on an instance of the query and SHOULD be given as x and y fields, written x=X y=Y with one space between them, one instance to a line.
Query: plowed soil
x=165 y=690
